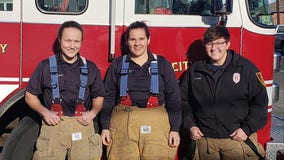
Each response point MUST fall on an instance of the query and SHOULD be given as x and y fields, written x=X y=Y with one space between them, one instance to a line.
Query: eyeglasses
x=217 y=44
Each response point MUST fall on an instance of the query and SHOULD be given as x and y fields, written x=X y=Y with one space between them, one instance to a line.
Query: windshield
x=183 y=7
x=259 y=10
x=62 y=6
x=280 y=29
x=260 y=13
x=6 y=5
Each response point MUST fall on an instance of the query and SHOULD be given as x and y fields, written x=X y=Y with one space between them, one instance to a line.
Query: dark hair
x=136 y=25
x=68 y=24
x=214 y=33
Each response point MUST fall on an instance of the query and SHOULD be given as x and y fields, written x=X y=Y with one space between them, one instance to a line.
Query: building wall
x=281 y=15
x=274 y=9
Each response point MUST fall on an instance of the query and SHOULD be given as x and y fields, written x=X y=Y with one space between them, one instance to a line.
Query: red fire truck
x=28 y=30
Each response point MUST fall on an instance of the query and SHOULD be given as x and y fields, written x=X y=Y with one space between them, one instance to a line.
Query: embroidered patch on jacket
x=236 y=77
x=260 y=78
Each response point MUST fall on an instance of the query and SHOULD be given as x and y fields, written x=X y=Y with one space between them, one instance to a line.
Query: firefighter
x=224 y=102
x=72 y=91
x=141 y=115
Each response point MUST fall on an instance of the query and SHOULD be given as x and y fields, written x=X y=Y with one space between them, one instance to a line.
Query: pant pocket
x=249 y=154
x=95 y=146
x=42 y=148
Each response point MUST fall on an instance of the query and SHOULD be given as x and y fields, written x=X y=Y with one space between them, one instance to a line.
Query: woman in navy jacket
x=224 y=101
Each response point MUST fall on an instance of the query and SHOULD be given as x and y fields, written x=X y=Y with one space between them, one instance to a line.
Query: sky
x=270 y=1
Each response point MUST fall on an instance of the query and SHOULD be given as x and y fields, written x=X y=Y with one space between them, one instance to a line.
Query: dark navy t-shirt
x=69 y=81
x=138 y=88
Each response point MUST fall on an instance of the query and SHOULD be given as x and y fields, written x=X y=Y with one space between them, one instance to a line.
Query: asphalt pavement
x=278 y=108
x=277 y=130
x=277 y=119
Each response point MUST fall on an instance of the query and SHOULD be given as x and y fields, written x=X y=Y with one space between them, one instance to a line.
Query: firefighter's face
x=138 y=42
x=70 y=44
x=217 y=51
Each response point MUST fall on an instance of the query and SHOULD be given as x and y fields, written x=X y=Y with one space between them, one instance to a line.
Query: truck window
x=260 y=13
x=280 y=29
x=6 y=5
x=178 y=7
x=62 y=6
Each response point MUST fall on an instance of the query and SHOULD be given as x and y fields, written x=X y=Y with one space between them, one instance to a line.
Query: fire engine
x=28 y=30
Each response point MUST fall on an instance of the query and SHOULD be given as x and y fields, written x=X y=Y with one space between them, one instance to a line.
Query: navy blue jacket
x=237 y=98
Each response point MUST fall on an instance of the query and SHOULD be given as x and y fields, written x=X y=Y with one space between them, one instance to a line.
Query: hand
x=174 y=139
x=86 y=118
x=239 y=135
x=105 y=136
x=50 y=118
x=195 y=133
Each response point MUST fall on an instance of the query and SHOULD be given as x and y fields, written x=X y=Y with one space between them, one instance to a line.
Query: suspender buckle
x=56 y=107
x=125 y=100
x=80 y=108
x=152 y=102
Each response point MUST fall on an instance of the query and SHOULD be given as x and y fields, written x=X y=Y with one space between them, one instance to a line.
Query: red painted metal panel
x=259 y=49
x=38 y=41
x=10 y=49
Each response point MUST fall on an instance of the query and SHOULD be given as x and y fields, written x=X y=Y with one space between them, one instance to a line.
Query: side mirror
x=221 y=7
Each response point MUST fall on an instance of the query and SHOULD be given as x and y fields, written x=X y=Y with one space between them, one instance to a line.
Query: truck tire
x=20 y=144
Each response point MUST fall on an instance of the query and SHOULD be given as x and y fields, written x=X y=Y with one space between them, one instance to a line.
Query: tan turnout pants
x=226 y=149
x=68 y=138
x=140 y=134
